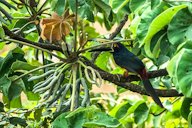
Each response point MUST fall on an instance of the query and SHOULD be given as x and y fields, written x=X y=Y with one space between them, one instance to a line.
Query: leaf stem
x=74 y=74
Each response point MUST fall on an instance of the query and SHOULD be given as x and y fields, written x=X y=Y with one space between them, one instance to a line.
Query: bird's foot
x=126 y=74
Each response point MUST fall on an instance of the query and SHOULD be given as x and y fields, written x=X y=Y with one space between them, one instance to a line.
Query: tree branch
x=17 y=37
x=119 y=80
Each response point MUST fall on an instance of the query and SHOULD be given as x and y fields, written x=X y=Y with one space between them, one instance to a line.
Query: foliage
x=49 y=62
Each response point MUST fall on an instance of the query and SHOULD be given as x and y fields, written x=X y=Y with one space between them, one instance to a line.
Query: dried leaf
x=54 y=28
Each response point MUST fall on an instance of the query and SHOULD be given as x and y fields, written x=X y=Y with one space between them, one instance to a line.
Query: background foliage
x=158 y=31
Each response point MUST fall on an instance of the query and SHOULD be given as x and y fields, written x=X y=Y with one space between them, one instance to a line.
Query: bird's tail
x=149 y=89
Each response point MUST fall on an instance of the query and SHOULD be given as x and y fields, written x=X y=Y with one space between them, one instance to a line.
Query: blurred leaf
x=58 y=6
x=103 y=60
x=2 y=107
x=12 y=56
x=105 y=8
x=20 y=65
x=185 y=108
x=16 y=88
x=117 y=5
x=85 y=8
x=101 y=119
x=85 y=117
x=16 y=120
x=157 y=24
x=182 y=22
x=32 y=96
x=146 y=18
x=38 y=114
x=141 y=113
x=120 y=110
x=135 y=4
x=2 y=33
x=181 y=64
x=15 y=103
x=5 y=84
x=155 y=3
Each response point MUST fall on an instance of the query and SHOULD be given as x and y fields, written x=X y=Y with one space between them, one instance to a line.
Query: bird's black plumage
x=127 y=60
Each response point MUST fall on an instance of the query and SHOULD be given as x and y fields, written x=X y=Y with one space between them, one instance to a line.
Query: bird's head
x=116 y=47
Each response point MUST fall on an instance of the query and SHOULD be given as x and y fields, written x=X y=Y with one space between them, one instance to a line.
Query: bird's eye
x=115 y=45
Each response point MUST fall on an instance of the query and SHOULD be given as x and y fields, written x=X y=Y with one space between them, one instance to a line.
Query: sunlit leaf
x=157 y=24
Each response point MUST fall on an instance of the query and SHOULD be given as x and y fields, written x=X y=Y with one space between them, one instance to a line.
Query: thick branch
x=17 y=37
x=119 y=80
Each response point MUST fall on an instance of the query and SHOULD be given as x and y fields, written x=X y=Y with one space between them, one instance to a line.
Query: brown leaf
x=54 y=28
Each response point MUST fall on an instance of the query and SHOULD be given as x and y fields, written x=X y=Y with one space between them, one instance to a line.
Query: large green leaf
x=13 y=55
x=185 y=107
x=180 y=25
x=60 y=121
x=58 y=6
x=20 y=65
x=179 y=68
x=85 y=8
x=135 y=4
x=141 y=113
x=117 y=5
x=102 y=61
x=146 y=18
x=5 y=84
x=16 y=88
x=106 y=9
x=157 y=24
x=85 y=117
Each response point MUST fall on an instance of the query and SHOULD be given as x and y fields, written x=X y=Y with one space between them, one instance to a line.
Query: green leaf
x=16 y=88
x=101 y=119
x=32 y=96
x=105 y=8
x=135 y=4
x=20 y=65
x=2 y=33
x=87 y=117
x=120 y=110
x=157 y=24
x=58 y=6
x=155 y=3
x=60 y=121
x=180 y=25
x=141 y=113
x=146 y=18
x=15 y=103
x=17 y=120
x=85 y=8
x=12 y=56
x=117 y=5
x=179 y=65
x=103 y=60
x=38 y=114
x=5 y=84
x=185 y=107
x=2 y=107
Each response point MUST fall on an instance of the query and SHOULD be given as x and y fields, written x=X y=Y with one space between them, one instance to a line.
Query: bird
x=129 y=61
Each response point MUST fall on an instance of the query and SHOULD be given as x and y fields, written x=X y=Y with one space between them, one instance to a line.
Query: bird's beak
x=101 y=49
